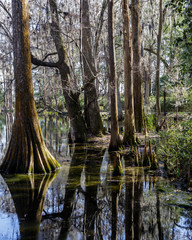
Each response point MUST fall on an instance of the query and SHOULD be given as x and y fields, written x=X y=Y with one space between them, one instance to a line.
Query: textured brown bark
x=69 y=92
x=93 y=118
x=157 y=80
x=137 y=76
x=129 y=135
x=27 y=152
x=115 y=141
x=146 y=81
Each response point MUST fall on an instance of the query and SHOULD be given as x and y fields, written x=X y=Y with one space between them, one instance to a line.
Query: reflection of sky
x=104 y=167
x=182 y=229
x=9 y=226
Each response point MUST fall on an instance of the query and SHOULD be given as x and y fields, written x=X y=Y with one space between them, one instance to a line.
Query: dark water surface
x=84 y=201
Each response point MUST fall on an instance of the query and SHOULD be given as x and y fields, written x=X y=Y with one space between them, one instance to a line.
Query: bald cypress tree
x=137 y=76
x=27 y=152
x=129 y=135
x=115 y=141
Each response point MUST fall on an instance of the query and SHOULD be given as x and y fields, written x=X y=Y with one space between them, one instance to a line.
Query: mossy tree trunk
x=115 y=141
x=27 y=152
x=70 y=92
x=137 y=76
x=129 y=135
x=93 y=118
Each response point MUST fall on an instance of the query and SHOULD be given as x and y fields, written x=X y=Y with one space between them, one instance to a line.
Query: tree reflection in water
x=86 y=202
x=28 y=193
x=133 y=203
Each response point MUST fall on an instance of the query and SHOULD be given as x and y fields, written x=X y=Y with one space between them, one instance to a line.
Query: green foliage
x=175 y=149
x=1 y=97
x=150 y=121
x=183 y=34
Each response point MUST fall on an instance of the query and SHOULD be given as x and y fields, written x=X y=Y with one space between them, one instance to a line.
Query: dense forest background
x=175 y=64
x=75 y=65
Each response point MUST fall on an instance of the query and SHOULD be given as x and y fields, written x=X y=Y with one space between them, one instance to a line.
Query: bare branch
x=7 y=33
x=155 y=53
x=38 y=62
x=100 y=25
x=5 y=9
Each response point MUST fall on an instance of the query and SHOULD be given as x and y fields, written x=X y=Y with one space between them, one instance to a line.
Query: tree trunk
x=71 y=96
x=27 y=152
x=119 y=104
x=157 y=80
x=129 y=135
x=137 y=76
x=93 y=117
x=115 y=141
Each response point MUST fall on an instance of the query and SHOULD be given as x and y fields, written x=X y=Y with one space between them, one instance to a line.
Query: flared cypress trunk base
x=115 y=143
x=129 y=140
x=27 y=152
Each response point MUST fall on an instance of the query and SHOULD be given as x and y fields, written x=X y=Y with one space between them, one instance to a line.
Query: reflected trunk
x=129 y=209
x=28 y=193
x=74 y=181
x=159 y=217
x=116 y=189
x=138 y=199
x=90 y=198
x=133 y=201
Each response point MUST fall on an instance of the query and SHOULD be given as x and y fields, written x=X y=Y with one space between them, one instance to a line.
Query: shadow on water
x=85 y=201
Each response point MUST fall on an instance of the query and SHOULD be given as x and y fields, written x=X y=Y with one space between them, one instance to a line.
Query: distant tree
x=115 y=141
x=27 y=152
x=92 y=112
x=157 y=79
x=137 y=76
x=69 y=91
x=129 y=135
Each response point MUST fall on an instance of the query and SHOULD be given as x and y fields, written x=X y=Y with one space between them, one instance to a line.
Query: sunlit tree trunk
x=92 y=111
x=115 y=141
x=129 y=135
x=137 y=76
x=70 y=93
x=27 y=152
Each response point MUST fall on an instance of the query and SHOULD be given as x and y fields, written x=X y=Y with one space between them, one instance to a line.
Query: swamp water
x=84 y=201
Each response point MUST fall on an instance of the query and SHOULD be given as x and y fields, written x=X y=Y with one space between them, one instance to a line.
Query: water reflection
x=86 y=202
x=28 y=194
x=133 y=203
